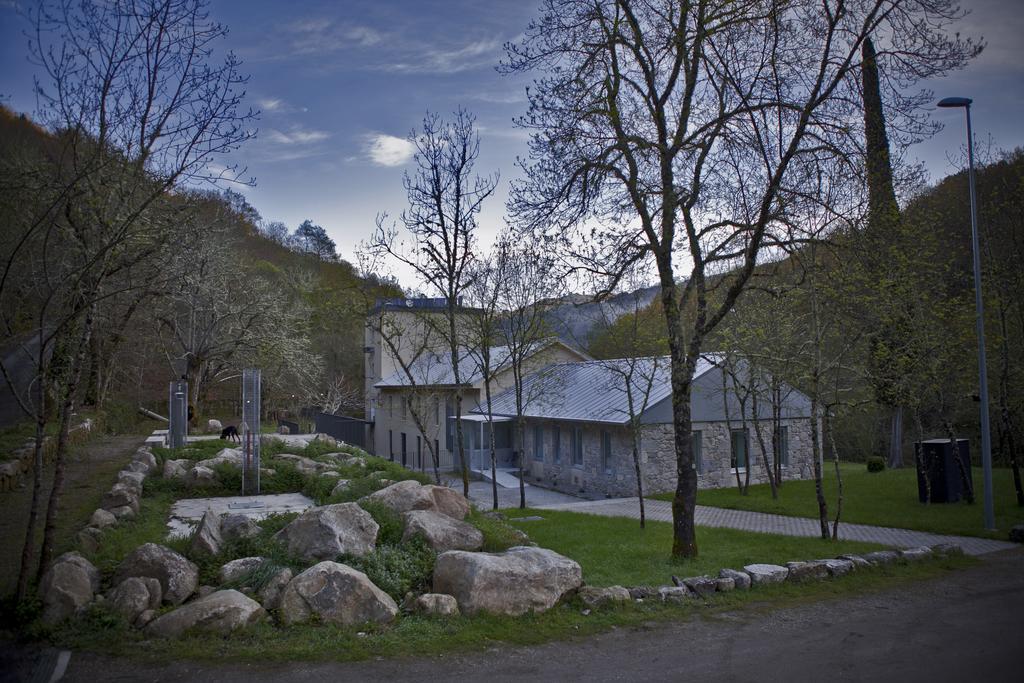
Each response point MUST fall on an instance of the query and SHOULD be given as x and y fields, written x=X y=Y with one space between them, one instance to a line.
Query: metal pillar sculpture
x=249 y=431
x=177 y=433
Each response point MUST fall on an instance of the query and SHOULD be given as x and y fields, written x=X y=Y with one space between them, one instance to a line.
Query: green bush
x=390 y=522
x=876 y=464
x=498 y=535
x=397 y=569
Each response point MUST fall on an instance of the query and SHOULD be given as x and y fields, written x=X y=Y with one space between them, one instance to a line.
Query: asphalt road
x=968 y=625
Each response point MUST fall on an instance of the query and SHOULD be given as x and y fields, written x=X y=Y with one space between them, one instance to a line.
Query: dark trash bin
x=938 y=471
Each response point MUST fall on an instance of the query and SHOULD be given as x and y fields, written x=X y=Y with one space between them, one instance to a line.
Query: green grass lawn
x=886 y=498
x=614 y=550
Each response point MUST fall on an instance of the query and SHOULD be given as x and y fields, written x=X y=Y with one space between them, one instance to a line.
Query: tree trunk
x=896 y=438
x=60 y=455
x=764 y=451
x=522 y=470
x=29 y=546
x=839 y=475
x=635 y=435
x=1007 y=444
x=923 y=467
x=491 y=444
x=960 y=466
x=819 y=490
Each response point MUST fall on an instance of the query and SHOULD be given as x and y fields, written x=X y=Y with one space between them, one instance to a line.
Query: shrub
x=397 y=569
x=390 y=522
x=876 y=464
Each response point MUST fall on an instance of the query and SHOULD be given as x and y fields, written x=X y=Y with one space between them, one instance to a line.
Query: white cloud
x=324 y=35
x=296 y=135
x=388 y=150
x=470 y=56
x=270 y=104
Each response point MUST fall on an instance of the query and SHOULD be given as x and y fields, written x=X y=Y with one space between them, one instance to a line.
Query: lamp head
x=948 y=102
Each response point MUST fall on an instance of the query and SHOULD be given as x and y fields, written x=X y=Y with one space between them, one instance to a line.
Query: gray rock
x=642 y=592
x=147 y=459
x=839 y=567
x=341 y=487
x=740 y=579
x=203 y=591
x=221 y=612
x=177 y=576
x=519 y=580
x=916 y=554
x=594 y=597
x=674 y=594
x=132 y=597
x=325 y=438
x=234 y=527
x=270 y=593
x=120 y=495
x=882 y=557
x=858 y=561
x=214 y=426
x=436 y=605
x=124 y=512
x=447 y=501
x=202 y=476
x=763 y=574
x=724 y=585
x=206 y=538
x=305 y=465
x=441 y=532
x=67 y=587
x=132 y=480
x=336 y=594
x=143 y=619
x=101 y=519
x=226 y=456
x=408 y=495
x=138 y=466
x=236 y=571
x=704 y=586
x=88 y=539
x=177 y=469
x=947 y=550
x=807 y=571
x=326 y=532
x=330 y=474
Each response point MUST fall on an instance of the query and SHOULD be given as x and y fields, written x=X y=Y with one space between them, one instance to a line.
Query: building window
x=606 y=451
x=538 y=443
x=740 y=448
x=404 y=452
x=782 y=446
x=391 y=445
x=697 y=445
x=556 y=438
x=577 y=447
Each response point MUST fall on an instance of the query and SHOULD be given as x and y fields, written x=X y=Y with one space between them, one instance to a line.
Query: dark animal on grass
x=231 y=433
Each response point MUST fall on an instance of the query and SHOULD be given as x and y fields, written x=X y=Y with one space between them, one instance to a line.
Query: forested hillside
x=896 y=311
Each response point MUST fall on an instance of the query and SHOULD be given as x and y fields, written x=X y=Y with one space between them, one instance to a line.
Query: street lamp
x=986 y=441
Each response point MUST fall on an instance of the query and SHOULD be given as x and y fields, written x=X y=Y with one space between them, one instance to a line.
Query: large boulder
x=273 y=589
x=135 y=595
x=237 y=571
x=147 y=458
x=441 y=532
x=521 y=579
x=120 y=495
x=177 y=469
x=132 y=480
x=178 y=576
x=335 y=593
x=325 y=438
x=88 y=539
x=220 y=612
x=305 y=465
x=447 y=501
x=206 y=539
x=839 y=567
x=234 y=527
x=214 y=426
x=67 y=587
x=326 y=532
x=763 y=574
x=226 y=456
x=202 y=476
x=882 y=557
x=341 y=487
x=807 y=571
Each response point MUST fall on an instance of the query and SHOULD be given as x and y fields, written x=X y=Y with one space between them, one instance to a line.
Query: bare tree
x=445 y=196
x=685 y=132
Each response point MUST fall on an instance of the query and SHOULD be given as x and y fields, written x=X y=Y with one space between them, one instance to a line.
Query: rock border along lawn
x=463 y=579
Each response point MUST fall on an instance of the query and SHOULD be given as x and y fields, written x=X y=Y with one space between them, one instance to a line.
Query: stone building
x=578 y=426
x=411 y=389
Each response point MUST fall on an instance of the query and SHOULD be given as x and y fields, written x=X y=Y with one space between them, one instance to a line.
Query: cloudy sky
x=341 y=83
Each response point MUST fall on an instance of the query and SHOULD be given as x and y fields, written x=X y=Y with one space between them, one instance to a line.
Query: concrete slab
x=506 y=477
x=480 y=493
x=186 y=513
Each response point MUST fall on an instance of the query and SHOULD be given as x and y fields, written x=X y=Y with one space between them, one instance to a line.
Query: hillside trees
x=694 y=134
x=445 y=197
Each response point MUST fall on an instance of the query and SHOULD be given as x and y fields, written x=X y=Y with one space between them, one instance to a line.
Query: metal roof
x=594 y=391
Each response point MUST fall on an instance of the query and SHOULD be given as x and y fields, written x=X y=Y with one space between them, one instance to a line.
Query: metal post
x=177 y=414
x=250 y=431
x=986 y=439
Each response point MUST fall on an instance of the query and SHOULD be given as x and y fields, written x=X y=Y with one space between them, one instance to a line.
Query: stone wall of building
x=659 y=466
x=591 y=478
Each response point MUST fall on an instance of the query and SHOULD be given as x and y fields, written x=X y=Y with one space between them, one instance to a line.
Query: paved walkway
x=779 y=524
x=481 y=494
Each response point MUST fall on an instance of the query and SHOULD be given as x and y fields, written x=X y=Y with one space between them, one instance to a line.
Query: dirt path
x=91 y=470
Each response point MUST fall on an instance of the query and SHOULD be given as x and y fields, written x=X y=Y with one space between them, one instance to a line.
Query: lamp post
x=986 y=440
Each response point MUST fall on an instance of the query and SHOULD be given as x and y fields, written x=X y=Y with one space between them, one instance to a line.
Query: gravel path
x=779 y=524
